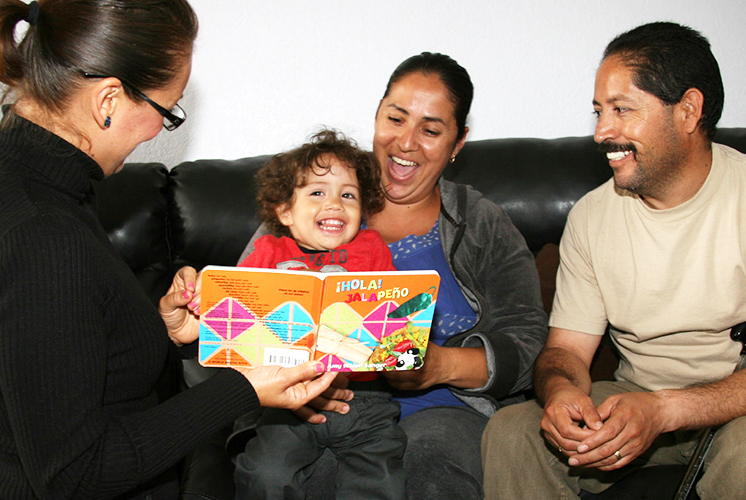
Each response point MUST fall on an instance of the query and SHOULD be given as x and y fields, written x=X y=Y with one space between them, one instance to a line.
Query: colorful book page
x=348 y=321
x=258 y=318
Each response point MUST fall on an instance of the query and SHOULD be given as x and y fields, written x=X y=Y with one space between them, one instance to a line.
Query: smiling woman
x=491 y=324
x=48 y=92
x=416 y=135
x=489 y=320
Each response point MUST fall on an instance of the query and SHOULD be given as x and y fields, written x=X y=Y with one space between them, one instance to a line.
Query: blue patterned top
x=452 y=312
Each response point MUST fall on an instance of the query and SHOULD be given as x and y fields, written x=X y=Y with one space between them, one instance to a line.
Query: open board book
x=368 y=321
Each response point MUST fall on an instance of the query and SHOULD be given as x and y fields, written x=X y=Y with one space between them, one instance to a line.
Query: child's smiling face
x=326 y=212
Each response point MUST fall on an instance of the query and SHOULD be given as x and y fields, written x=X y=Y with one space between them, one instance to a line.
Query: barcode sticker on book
x=285 y=357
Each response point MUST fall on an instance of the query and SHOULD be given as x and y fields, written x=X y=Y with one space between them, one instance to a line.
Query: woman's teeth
x=404 y=163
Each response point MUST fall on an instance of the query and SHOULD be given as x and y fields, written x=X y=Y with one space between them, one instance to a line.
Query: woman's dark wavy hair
x=284 y=172
x=668 y=59
x=452 y=74
x=143 y=42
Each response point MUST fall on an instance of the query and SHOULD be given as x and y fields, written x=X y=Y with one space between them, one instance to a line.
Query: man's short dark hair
x=668 y=59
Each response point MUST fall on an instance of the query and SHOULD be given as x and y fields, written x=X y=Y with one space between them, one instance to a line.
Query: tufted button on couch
x=203 y=212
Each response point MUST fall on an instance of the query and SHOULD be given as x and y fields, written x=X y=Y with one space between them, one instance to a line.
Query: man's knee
x=723 y=463
x=511 y=428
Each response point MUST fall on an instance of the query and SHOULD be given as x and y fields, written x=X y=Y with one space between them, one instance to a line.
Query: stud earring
x=107 y=122
x=453 y=158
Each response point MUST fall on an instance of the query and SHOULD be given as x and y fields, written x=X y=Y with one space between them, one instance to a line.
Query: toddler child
x=312 y=200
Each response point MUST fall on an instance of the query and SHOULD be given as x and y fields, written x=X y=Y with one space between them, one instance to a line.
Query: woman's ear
x=106 y=97
x=460 y=143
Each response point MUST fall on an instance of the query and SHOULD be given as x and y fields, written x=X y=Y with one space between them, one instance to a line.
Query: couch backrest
x=203 y=212
x=213 y=210
x=536 y=181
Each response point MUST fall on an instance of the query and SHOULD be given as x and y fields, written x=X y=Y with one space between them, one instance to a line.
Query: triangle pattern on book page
x=290 y=322
x=378 y=322
x=229 y=319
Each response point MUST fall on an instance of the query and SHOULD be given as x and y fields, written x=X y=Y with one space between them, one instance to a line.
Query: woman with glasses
x=81 y=346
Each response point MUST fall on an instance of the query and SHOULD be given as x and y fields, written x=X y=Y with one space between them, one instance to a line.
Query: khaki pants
x=518 y=463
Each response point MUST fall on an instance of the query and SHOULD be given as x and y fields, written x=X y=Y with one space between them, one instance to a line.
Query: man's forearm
x=557 y=366
x=706 y=405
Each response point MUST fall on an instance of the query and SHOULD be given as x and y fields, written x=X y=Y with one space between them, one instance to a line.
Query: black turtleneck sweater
x=81 y=345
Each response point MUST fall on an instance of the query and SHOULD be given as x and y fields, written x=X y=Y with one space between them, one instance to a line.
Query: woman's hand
x=290 y=388
x=463 y=367
x=332 y=399
x=179 y=308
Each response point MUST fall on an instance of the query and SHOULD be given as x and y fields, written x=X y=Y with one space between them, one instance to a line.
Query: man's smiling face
x=636 y=130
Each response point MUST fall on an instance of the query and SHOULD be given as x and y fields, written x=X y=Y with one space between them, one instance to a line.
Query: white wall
x=267 y=73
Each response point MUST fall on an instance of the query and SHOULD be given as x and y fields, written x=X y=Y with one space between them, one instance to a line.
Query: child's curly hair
x=279 y=177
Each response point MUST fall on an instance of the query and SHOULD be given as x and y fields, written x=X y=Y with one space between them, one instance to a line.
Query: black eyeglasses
x=171 y=118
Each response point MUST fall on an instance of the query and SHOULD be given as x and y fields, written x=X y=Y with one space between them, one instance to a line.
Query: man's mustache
x=612 y=147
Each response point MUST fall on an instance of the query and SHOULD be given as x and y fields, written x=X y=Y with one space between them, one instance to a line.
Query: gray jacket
x=496 y=272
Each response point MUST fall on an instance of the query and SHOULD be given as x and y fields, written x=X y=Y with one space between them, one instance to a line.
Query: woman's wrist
x=464 y=367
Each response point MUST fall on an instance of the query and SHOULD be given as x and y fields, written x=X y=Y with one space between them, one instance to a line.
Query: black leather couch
x=203 y=212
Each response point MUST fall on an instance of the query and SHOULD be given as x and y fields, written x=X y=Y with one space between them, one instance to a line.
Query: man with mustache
x=657 y=255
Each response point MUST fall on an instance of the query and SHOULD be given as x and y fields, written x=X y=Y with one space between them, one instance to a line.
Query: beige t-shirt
x=671 y=283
